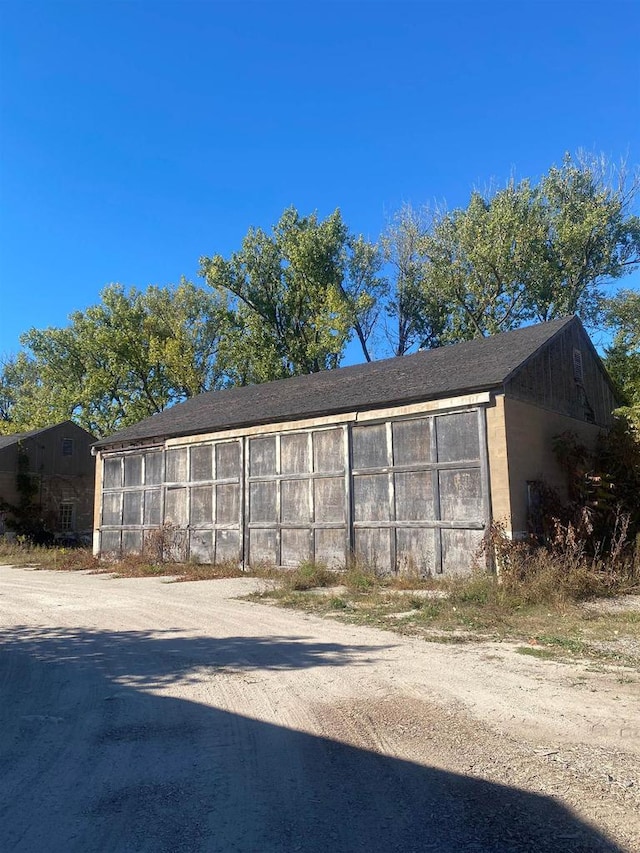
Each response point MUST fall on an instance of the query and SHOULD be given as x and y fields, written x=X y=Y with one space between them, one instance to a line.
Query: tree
x=130 y=356
x=520 y=254
x=299 y=295
x=623 y=356
x=18 y=384
x=477 y=262
x=413 y=315
x=591 y=238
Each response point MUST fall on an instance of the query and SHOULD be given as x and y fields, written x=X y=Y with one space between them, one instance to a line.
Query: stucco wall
x=530 y=431
x=498 y=462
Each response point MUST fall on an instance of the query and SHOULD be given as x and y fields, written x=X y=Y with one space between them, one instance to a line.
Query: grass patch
x=307 y=576
x=567 y=644
x=547 y=624
x=535 y=652
x=359 y=578
x=546 y=618
x=131 y=566
x=39 y=556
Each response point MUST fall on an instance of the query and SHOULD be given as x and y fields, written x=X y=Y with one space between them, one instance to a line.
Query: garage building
x=403 y=462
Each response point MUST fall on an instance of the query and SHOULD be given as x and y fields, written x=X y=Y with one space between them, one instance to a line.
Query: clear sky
x=137 y=136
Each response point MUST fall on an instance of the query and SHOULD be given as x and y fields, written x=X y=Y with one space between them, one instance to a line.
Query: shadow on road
x=162 y=657
x=90 y=764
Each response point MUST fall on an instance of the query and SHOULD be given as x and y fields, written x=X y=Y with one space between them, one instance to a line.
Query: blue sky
x=137 y=136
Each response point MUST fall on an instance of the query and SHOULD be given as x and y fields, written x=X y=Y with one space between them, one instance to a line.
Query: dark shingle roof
x=8 y=440
x=14 y=438
x=460 y=368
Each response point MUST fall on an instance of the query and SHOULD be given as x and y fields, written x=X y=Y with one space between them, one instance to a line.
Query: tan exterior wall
x=530 y=431
x=498 y=461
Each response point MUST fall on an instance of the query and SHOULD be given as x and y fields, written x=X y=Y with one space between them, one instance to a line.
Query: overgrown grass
x=39 y=556
x=307 y=576
x=537 y=575
x=131 y=566
x=537 y=602
x=538 y=598
x=478 y=608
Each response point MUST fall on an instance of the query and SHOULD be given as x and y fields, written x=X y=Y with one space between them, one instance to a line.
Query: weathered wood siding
x=401 y=493
x=419 y=493
x=195 y=491
x=296 y=503
x=566 y=377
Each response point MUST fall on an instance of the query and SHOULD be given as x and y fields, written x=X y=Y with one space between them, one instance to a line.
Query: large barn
x=403 y=462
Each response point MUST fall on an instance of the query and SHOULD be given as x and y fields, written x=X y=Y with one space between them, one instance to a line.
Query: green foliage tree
x=413 y=314
x=19 y=383
x=299 y=295
x=478 y=260
x=289 y=301
x=623 y=356
x=592 y=238
x=526 y=252
x=130 y=356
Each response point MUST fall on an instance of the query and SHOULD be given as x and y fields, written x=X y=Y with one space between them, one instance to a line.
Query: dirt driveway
x=139 y=715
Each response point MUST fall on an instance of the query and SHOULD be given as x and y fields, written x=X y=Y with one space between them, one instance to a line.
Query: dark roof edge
x=104 y=444
x=32 y=433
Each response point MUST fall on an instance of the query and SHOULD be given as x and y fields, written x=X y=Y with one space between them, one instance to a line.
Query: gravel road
x=140 y=715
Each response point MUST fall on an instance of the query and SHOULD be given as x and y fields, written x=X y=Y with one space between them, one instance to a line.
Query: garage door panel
x=373 y=545
x=460 y=550
x=416 y=551
x=461 y=495
x=262 y=546
x=295 y=546
x=458 y=437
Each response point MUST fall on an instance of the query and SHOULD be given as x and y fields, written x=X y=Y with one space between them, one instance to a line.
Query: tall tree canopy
x=291 y=299
x=414 y=314
x=623 y=356
x=299 y=294
x=523 y=253
x=130 y=356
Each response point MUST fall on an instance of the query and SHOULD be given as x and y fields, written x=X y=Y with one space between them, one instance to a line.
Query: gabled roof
x=8 y=440
x=14 y=438
x=457 y=369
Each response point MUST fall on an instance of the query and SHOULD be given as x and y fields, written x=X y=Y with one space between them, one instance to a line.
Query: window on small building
x=66 y=517
x=67 y=447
